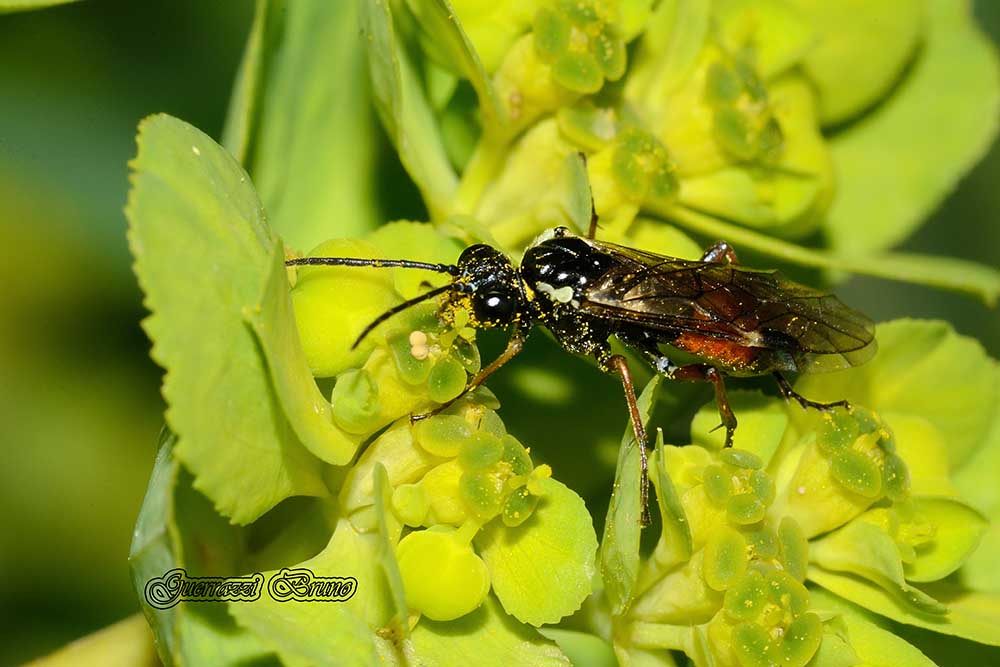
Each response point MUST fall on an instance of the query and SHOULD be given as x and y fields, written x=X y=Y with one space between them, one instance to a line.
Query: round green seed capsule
x=762 y=486
x=519 y=507
x=334 y=304
x=746 y=599
x=551 y=31
x=516 y=456
x=741 y=458
x=610 y=52
x=866 y=420
x=411 y=361
x=466 y=353
x=663 y=184
x=443 y=577
x=579 y=72
x=722 y=86
x=750 y=644
x=895 y=477
x=725 y=558
x=629 y=175
x=490 y=422
x=745 y=508
x=800 y=642
x=446 y=380
x=764 y=543
x=794 y=548
x=837 y=433
x=582 y=13
x=480 y=451
x=786 y=592
x=718 y=485
x=856 y=472
x=442 y=435
x=588 y=126
x=482 y=492
x=355 y=401
x=732 y=132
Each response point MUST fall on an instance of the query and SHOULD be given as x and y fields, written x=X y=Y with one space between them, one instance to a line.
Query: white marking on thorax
x=564 y=294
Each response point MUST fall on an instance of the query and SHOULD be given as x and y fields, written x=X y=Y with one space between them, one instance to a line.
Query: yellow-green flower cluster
x=708 y=110
x=741 y=576
x=450 y=474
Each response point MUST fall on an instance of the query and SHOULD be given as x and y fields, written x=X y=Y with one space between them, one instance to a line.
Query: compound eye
x=494 y=308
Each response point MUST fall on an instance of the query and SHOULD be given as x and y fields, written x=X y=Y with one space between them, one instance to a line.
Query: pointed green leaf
x=309 y=413
x=976 y=481
x=622 y=528
x=864 y=550
x=27 y=5
x=859 y=50
x=583 y=649
x=315 y=144
x=385 y=549
x=875 y=646
x=177 y=527
x=957 y=531
x=327 y=633
x=443 y=29
x=151 y=553
x=245 y=100
x=542 y=570
x=202 y=251
x=676 y=538
x=938 y=122
x=971 y=614
x=493 y=637
x=405 y=112
x=324 y=634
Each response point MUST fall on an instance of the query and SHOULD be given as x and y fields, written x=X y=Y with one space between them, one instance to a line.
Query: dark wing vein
x=753 y=308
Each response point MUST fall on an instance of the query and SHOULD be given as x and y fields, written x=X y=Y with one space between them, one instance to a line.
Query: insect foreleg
x=706 y=373
x=789 y=394
x=615 y=363
x=720 y=253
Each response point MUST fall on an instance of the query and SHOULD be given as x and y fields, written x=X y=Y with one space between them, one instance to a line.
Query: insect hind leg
x=706 y=373
x=789 y=394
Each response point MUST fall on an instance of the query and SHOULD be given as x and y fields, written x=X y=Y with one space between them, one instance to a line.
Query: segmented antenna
x=450 y=269
x=398 y=309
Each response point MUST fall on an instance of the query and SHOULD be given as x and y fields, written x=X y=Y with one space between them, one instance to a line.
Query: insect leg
x=720 y=253
x=514 y=346
x=615 y=363
x=706 y=373
x=788 y=394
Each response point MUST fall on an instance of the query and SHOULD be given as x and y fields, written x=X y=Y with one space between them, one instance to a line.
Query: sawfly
x=734 y=320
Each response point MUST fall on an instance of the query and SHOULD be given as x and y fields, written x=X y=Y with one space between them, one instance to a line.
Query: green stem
x=659 y=636
x=943 y=272
x=479 y=172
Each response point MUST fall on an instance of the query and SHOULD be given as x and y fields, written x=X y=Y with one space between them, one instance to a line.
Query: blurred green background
x=79 y=401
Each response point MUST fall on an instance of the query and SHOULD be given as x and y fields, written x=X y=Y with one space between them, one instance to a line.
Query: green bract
x=290 y=447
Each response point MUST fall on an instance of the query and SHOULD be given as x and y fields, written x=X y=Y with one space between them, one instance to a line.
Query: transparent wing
x=729 y=302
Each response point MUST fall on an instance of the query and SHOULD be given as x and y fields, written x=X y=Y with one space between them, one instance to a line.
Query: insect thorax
x=557 y=272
